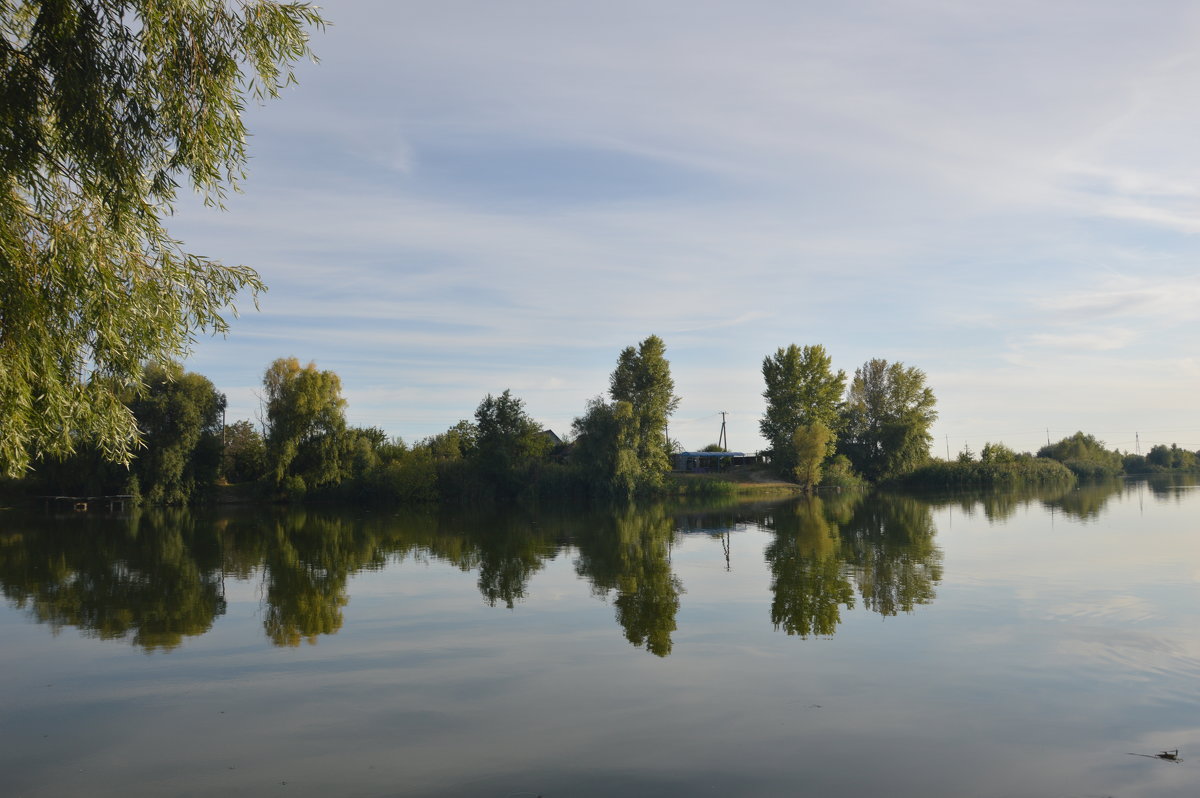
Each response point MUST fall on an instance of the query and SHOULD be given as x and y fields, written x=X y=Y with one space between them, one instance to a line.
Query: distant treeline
x=821 y=431
x=1076 y=456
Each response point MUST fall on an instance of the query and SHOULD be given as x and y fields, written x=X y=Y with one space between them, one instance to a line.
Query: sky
x=464 y=197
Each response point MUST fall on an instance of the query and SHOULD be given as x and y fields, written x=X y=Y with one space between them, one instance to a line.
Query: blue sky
x=463 y=197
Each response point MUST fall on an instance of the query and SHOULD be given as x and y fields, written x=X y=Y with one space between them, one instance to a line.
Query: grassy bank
x=746 y=481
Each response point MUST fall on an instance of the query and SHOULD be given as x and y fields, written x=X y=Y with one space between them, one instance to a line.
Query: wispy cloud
x=1092 y=341
x=478 y=196
x=1173 y=300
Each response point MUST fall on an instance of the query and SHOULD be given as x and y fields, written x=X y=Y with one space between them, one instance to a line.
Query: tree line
x=1077 y=456
x=822 y=428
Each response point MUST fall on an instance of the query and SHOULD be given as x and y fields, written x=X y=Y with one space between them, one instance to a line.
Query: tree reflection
x=510 y=551
x=889 y=544
x=157 y=576
x=1087 y=500
x=153 y=578
x=809 y=585
x=1167 y=486
x=629 y=552
x=306 y=570
x=826 y=547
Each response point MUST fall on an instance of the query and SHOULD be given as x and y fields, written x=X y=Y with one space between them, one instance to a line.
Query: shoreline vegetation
x=824 y=431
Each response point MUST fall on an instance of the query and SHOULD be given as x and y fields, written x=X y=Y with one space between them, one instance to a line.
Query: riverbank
x=747 y=480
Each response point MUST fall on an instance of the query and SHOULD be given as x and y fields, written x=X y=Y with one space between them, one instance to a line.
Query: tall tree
x=643 y=379
x=305 y=424
x=802 y=389
x=888 y=413
x=105 y=107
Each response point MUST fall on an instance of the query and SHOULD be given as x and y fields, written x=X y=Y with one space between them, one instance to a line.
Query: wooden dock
x=82 y=504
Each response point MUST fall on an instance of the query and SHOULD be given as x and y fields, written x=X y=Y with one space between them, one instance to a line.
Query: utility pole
x=1137 y=443
x=947 y=447
x=224 y=404
x=722 y=439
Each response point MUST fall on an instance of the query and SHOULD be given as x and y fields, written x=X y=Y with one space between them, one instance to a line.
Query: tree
x=802 y=389
x=105 y=107
x=179 y=416
x=508 y=440
x=1084 y=455
x=305 y=425
x=643 y=379
x=606 y=448
x=996 y=454
x=1172 y=458
x=245 y=453
x=809 y=447
x=888 y=413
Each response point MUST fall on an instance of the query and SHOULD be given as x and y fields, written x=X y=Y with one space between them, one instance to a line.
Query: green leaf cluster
x=179 y=415
x=801 y=390
x=105 y=107
x=306 y=426
x=1084 y=455
x=508 y=442
x=888 y=414
x=643 y=379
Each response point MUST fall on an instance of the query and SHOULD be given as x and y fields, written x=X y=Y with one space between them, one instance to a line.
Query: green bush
x=1022 y=471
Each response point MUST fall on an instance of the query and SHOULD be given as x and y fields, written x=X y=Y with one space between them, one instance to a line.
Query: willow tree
x=106 y=108
x=606 y=447
x=306 y=425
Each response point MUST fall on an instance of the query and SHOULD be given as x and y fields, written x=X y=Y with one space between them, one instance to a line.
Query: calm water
x=1007 y=645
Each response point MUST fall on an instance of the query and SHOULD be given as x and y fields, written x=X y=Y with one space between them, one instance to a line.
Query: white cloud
x=476 y=196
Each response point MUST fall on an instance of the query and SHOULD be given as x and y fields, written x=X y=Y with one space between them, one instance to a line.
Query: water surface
x=977 y=645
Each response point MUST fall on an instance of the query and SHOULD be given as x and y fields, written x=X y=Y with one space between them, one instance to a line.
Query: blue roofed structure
x=709 y=461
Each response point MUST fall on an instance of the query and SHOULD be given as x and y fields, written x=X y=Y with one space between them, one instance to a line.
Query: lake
x=1005 y=644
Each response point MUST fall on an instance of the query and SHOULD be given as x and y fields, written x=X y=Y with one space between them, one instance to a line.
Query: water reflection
x=826 y=548
x=890 y=547
x=628 y=552
x=156 y=576
x=809 y=579
x=1086 y=501
x=306 y=562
